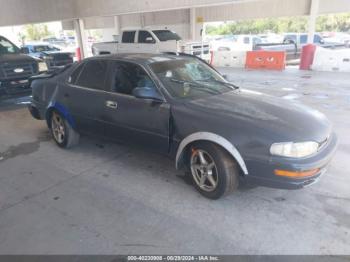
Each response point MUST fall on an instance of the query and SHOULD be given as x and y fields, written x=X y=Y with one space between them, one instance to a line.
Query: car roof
x=141 y=58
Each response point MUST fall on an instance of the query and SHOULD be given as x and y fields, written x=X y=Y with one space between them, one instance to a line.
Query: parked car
x=236 y=43
x=53 y=56
x=151 y=41
x=293 y=44
x=15 y=67
x=55 y=41
x=337 y=37
x=180 y=106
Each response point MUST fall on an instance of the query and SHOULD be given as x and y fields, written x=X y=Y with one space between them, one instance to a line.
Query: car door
x=128 y=44
x=85 y=96
x=146 y=42
x=132 y=120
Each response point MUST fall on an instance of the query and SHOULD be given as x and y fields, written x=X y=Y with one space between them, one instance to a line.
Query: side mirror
x=147 y=93
x=225 y=77
x=150 y=40
x=24 y=50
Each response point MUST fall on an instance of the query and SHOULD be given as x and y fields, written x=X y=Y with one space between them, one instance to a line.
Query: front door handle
x=112 y=104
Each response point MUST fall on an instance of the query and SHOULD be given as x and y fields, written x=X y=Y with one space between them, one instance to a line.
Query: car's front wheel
x=63 y=134
x=214 y=171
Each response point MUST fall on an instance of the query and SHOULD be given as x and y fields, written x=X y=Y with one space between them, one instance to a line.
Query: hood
x=16 y=58
x=280 y=119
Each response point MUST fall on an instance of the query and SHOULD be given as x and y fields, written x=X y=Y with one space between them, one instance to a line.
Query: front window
x=6 y=47
x=44 y=48
x=127 y=77
x=189 y=78
x=166 y=35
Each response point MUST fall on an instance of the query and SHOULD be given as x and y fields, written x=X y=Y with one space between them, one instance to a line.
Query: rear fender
x=62 y=110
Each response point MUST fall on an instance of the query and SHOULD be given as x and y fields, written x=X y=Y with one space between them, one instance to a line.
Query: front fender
x=221 y=141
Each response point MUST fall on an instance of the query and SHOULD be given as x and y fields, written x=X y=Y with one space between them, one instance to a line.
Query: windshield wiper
x=199 y=86
x=220 y=82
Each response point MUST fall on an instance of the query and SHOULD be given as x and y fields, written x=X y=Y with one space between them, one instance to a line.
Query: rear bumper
x=37 y=111
x=263 y=173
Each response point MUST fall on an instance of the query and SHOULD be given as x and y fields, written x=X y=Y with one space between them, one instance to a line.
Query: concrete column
x=117 y=25
x=193 y=24
x=117 y=28
x=81 y=38
x=196 y=25
x=312 y=20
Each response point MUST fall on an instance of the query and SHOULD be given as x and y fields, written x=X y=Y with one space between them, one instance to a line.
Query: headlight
x=48 y=57
x=296 y=150
x=42 y=67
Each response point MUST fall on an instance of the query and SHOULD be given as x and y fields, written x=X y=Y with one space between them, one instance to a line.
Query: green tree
x=36 y=32
x=334 y=22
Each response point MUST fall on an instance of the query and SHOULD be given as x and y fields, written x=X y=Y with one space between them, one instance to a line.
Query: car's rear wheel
x=63 y=134
x=214 y=171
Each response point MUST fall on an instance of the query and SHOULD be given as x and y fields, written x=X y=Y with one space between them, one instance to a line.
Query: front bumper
x=262 y=172
x=14 y=86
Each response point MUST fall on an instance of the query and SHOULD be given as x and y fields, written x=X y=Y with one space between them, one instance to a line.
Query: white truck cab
x=151 y=41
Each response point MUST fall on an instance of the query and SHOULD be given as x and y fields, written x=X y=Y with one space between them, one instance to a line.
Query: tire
x=221 y=173
x=62 y=132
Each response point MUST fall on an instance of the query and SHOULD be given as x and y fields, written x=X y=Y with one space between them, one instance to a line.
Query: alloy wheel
x=58 y=127
x=204 y=170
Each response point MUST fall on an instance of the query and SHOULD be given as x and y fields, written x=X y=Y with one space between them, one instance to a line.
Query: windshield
x=190 y=78
x=6 y=47
x=44 y=48
x=166 y=35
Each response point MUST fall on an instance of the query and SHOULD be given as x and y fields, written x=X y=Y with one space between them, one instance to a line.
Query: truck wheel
x=214 y=171
x=63 y=134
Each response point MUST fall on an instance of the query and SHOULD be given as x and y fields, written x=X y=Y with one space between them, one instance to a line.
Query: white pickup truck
x=151 y=41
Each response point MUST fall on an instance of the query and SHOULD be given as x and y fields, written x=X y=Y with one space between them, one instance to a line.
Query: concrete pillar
x=81 y=38
x=117 y=25
x=196 y=24
x=193 y=23
x=312 y=20
x=117 y=28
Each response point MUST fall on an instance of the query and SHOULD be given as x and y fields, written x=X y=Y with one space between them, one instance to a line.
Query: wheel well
x=49 y=115
x=183 y=161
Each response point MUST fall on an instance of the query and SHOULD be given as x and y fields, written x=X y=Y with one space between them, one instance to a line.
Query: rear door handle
x=112 y=104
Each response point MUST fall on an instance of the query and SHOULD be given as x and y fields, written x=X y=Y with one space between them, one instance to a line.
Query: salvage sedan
x=177 y=105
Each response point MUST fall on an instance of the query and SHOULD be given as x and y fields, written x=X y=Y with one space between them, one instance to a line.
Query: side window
x=128 y=37
x=317 y=39
x=128 y=76
x=246 y=40
x=145 y=38
x=74 y=76
x=303 y=39
x=93 y=75
x=256 y=40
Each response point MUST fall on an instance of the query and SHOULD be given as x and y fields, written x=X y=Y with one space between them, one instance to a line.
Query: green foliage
x=337 y=23
x=36 y=32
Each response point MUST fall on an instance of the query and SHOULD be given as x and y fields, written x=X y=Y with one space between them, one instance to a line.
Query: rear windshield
x=166 y=35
